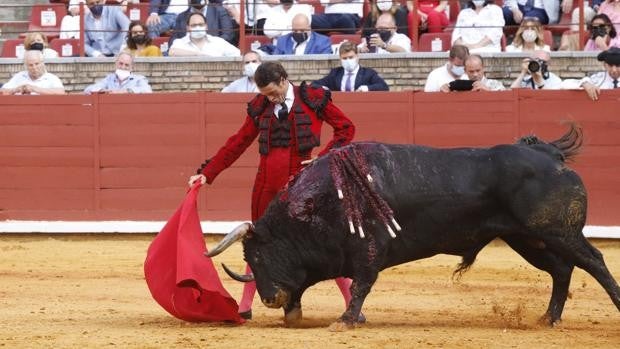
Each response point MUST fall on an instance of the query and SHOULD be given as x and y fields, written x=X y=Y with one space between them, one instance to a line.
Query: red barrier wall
x=105 y=157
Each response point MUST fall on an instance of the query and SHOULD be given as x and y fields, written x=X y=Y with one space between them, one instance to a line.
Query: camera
x=371 y=48
x=598 y=31
x=536 y=65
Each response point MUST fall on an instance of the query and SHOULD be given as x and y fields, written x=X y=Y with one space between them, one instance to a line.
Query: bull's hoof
x=341 y=326
x=546 y=320
x=293 y=317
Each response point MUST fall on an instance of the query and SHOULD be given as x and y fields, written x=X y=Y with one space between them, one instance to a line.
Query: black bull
x=451 y=201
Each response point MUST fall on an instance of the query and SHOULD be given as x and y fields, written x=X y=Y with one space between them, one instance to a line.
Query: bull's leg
x=559 y=269
x=359 y=290
x=292 y=311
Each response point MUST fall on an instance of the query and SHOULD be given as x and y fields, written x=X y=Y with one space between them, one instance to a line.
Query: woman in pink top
x=603 y=35
x=611 y=8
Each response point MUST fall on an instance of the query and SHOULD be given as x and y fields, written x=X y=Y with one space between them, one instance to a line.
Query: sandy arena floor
x=88 y=291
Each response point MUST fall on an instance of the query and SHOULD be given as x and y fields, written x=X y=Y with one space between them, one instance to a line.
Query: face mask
x=478 y=3
x=139 y=39
x=529 y=35
x=197 y=4
x=36 y=46
x=300 y=37
x=286 y=2
x=96 y=10
x=122 y=74
x=457 y=70
x=385 y=35
x=250 y=69
x=198 y=32
x=349 y=64
x=384 y=5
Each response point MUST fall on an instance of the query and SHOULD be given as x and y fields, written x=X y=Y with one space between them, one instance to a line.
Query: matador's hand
x=195 y=178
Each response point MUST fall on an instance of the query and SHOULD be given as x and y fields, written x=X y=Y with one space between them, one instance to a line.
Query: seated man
x=198 y=43
x=340 y=15
x=105 y=28
x=35 y=80
x=251 y=61
x=302 y=40
x=163 y=15
x=357 y=78
x=219 y=22
x=608 y=79
x=474 y=68
x=386 y=39
x=547 y=11
x=439 y=78
x=123 y=80
x=535 y=73
x=279 y=18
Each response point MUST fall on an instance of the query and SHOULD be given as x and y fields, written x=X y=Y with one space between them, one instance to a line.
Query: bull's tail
x=566 y=147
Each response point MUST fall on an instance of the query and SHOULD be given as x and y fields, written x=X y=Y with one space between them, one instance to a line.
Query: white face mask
x=122 y=74
x=249 y=69
x=478 y=3
x=529 y=35
x=198 y=32
x=457 y=70
x=349 y=64
x=384 y=5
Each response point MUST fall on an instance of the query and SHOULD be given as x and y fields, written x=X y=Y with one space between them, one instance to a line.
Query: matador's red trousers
x=274 y=171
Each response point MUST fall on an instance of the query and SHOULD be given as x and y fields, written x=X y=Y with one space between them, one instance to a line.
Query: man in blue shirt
x=105 y=29
x=123 y=80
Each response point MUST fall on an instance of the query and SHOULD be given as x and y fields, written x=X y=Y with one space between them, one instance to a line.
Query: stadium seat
x=548 y=38
x=249 y=39
x=426 y=40
x=137 y=12
x=338 y=38
x=161 y=41
x=46 y=18
x=318 y=7
x=58 y=45
x=10 y=47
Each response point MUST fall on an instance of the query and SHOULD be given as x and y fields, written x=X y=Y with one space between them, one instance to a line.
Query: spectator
x=163 y=15
x=378 y=7
x=529 y=37
x=139 y=43
x=474 y=68
x=123 y=80
x=198 y=43
x=219 y=23
x=302 y=40
x=357 y=78
x=480 y=27
x=570 y=38
x=279 y=18
x=454 y=69
x=603 y=34
x=340 y=15
x=535 y=73
x=38 y=41
x=547 y=11
x=70 y=24
x=105 y=28
x=251 y=60
x=386 y=39
x=35 y=80
x=255 y=14
x=432 y=15
x=609 y=79
x=611 y=8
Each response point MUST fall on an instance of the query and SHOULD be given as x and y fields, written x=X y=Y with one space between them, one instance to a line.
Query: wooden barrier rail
x=128 y=157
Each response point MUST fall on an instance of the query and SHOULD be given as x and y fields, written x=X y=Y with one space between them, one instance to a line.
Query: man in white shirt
x=251 y=61
x=440 y=78
x=535 y=73
x=474 y=68
x=198 y=43
x=123 y=80
x=340 y=15
x=35 y=80
x=279 y=18
x=605 y=80
x=386 y=39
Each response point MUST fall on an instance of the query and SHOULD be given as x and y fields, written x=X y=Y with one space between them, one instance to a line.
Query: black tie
x=283 y=113
x=615 y=83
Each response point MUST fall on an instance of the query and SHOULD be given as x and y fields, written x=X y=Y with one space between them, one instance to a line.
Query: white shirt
x=279 y=22
x=353 y=6
x=213 y=46
x=343 y=83
x=177 y=6
x=397 y=39
x=289 y=100
x=552 y=83
x=601 y=79
x=511 y=48
x=243 y=84
x=301 y=48
x=47 y=80
x=254 y=10
x=493 y=85
x=439 y=77
x=70 y=27
x=472 y=26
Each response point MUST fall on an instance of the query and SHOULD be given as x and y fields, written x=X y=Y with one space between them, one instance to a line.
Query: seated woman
x=479 y=27
x=432 y=15
x=38 y=41
x=139 y=43
x=529 y=37
x=570 y=38
x=602 y=34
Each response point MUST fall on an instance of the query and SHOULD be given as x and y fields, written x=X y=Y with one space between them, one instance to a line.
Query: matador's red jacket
x=282 y=144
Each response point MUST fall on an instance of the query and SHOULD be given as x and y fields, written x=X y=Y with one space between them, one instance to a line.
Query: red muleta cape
x=180 y=277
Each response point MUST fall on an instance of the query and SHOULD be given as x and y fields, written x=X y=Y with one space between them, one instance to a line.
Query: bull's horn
x=229 y=239
x=235 y=276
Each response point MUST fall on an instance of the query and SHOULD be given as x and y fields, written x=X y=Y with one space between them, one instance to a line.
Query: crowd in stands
x=211 y=28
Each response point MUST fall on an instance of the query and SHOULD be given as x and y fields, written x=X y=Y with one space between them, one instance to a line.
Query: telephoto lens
x=533 y=66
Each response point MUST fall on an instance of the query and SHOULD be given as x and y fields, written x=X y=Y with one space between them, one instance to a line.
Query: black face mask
x=197 y=4
x=286 y=2
x=96 y=10
x=300 y=37
x=385 y=35
x=139 y=39
x=36 y=46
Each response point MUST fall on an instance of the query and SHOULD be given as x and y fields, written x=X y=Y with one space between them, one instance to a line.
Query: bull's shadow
x=369 y=206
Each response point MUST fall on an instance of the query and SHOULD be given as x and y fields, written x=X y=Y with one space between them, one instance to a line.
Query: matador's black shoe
x=246 y=314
